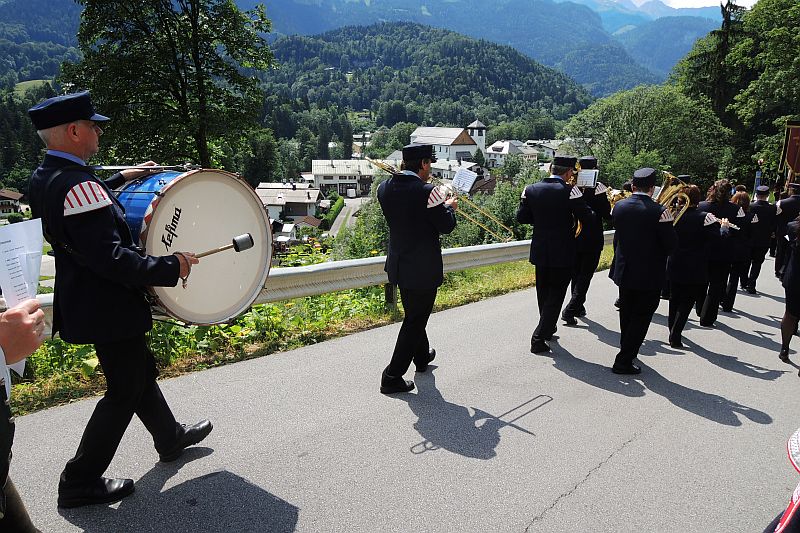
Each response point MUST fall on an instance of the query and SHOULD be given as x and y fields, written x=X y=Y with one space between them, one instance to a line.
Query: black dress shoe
x=581 y=312
x=784 y=355
x=104 y=490
x=751 y=290
x=422 y=367
x=569 y=320
x=396 y=385
x=675 y=344
x=539 y=346
x=629 y=369
x=190 y=435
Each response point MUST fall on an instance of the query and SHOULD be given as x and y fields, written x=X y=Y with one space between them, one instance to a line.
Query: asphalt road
x=493 y=439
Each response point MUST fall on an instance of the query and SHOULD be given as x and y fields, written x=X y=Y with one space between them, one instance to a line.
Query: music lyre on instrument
x=452 y=192
x=183 y=211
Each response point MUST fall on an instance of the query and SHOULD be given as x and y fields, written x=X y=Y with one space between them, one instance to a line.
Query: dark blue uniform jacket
x=591 y=236
x=732 y=246
x=643 y=243
x=790 y=209
x=414 y=260
x=761 y=232
x=548 y=207
x=99 y=292
x=688 y=264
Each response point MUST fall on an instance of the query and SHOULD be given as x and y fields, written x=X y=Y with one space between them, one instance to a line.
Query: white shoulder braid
x=755 y=219
x=710 y=219
x=84 y=197
x=437 y=196
x=666 y=216
x=600 y=189
x=575 y=193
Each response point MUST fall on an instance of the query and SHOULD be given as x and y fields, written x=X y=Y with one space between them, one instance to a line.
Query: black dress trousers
x=551 y=288
x=585 y=266
x=717 y=279
x=682 y=298
x=636 y=308
x=757 y=257
x=130 y=372
x=412 y=341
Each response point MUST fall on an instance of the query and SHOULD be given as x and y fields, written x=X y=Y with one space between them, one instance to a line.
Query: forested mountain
x=35 y=37
x=660 y=44
x=409 y=72
x=618 y=14
x=567 y=36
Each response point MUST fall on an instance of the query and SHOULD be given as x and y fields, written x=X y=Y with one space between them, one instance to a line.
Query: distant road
x=351 y=205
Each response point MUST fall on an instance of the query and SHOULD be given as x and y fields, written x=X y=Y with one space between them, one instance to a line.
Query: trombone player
x=551 y=206
x=589 y=245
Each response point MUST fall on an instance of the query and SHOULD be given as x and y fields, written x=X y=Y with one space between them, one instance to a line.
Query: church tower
x=477 y=130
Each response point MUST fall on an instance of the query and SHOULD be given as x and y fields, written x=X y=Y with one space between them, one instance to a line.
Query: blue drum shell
x=137 y=196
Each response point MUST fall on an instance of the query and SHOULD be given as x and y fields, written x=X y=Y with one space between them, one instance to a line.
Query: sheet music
x=587 y=178
x=464 y=180
x=20 y=264
x=656 y=192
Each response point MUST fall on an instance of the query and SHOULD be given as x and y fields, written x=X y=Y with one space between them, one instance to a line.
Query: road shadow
x=603 y=334
x=216 y=502
x=710 y=406
x=733 y=363
x=472 y=433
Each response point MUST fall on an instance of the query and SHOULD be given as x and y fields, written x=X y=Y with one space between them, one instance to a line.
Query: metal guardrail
x=332 y=276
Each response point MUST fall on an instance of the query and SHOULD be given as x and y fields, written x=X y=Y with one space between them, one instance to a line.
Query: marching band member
x=761 y=232
x=99 y=297
x=687 y=266
x=787 y=209
x=741 y=250
x=551 y=206
x=722 y=250
x=645 y=237
x=589 y=245
x=791 y=286
x=417 y=213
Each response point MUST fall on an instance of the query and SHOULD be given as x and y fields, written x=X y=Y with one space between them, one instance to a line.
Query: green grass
x=23 y=86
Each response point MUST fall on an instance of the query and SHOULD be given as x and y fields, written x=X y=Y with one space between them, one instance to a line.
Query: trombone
x=503 y=233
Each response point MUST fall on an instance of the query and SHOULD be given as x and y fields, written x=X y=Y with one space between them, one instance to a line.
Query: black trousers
x=551 y=288
x=582 y=274
x=781 y=250
x=636 y=310
x=412 y=341
x=717 y=281
x=738 y=276
x=15 y=517
x=130 y=372
x=756 y=260
x=682 y=298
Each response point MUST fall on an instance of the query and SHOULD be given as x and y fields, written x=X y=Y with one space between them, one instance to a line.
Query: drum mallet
x=240 y=243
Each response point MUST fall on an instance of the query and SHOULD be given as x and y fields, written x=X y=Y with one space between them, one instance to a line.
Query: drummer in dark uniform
x=588 y=244
x=417 y=213
x=99 y=297
x=762 y=231
x=552 y=206
x=787 y=210
x=645 y=236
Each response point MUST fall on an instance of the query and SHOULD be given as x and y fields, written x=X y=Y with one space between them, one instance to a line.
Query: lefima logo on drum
x=171 y=228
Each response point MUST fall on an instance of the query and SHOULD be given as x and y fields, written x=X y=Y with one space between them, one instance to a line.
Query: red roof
x=310 y=221
x=10 y=195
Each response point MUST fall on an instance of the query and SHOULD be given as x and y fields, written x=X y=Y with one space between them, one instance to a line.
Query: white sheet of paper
x=464 y=180
x=587 y=178
x=20 y=264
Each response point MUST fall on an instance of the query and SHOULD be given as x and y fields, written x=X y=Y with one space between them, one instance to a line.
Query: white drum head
x=203 y=210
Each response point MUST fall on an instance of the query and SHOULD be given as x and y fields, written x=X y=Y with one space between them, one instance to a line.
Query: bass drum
x=196 y=211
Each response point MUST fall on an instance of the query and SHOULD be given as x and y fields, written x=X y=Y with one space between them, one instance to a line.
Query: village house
x=498 y=152
x=9 y=202
x=342 y=175
x=455 y=144
x=289 y=201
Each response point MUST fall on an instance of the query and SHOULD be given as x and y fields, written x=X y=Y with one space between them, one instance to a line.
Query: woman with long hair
x=721 y=253
x=687 y=267
x=740 y=250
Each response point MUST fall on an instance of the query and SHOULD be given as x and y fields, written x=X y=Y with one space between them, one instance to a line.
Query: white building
x=453 y=143
x=343 y=174
x=446 y=169
x=546 y=147
x=288 y=201
x=497 y=153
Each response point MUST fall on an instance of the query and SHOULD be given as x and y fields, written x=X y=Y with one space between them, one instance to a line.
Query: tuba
x=672 y=197
x=501 y=232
